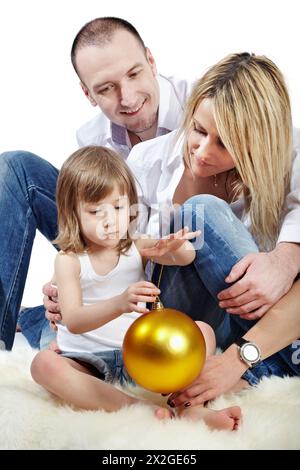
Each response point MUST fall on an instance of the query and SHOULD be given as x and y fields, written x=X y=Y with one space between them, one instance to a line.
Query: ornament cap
x=157 y=305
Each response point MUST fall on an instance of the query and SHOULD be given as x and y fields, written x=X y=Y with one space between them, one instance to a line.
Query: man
x=118 y=74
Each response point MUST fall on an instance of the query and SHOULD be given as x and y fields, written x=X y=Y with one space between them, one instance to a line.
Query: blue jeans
x=27 y=203
x=193 y=289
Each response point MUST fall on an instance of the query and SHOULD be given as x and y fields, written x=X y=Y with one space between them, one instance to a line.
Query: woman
x=231 y=160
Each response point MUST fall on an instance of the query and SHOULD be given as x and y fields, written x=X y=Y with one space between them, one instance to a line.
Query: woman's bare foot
x=229 y=418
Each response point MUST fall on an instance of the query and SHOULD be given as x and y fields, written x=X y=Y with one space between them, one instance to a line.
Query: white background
x=41 y=104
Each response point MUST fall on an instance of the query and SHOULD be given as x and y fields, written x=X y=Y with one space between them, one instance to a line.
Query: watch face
x=250 y=352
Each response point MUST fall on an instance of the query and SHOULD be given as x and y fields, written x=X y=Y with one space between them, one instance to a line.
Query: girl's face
x=105 y=223
x=208 y=154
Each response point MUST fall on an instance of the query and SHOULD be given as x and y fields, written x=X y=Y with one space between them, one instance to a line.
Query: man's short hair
x=99 y=32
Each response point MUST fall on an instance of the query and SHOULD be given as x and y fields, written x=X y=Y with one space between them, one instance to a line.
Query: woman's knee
x=206 y=202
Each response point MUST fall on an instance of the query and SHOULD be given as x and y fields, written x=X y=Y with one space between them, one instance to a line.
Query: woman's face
x=208 y=154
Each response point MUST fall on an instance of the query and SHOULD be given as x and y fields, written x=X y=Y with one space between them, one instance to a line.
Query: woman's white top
x=158 y=166
x=96 y=288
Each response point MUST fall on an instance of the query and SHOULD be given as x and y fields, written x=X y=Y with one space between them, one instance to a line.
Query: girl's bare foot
x=229 y=418
x=163 y=413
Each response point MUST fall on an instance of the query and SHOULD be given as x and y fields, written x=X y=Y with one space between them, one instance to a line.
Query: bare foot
x=229 y=418
x=163 y=413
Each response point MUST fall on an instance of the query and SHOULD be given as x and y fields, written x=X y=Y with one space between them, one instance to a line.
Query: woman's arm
x=273 y=332
x=280 y=326
x=81 y=318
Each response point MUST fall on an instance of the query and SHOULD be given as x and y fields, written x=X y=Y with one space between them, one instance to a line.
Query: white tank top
x=95 y=288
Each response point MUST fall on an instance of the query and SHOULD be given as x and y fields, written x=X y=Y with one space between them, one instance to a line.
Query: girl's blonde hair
x=89 y=175
x=253 y=117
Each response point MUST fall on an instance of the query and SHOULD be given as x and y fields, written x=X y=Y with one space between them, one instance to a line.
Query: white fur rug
x=32 y=419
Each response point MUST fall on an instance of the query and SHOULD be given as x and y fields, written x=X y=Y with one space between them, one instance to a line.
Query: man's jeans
x=193 y=289
x=27 y=203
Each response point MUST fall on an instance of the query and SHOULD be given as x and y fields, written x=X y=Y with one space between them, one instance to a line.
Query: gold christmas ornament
x=164 y=350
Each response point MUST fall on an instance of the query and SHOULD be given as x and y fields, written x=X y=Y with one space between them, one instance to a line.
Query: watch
x=249 y=352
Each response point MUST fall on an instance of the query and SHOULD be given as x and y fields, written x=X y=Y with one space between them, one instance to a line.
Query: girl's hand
x=169 y=243
x=142 y=291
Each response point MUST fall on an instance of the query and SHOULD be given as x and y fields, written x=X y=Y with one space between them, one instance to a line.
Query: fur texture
x=30 y=418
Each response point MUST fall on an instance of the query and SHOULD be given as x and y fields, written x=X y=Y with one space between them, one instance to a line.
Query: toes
x=236 y=415
x=163 y=413
x=235 y=412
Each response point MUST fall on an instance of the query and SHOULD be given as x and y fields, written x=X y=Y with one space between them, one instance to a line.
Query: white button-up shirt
x=158 y=167
x=101 y=131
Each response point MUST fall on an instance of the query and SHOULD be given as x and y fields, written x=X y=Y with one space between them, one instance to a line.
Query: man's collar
x=118 y=134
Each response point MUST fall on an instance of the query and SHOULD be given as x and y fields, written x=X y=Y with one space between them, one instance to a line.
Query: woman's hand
x=169 y=243
x=142 y=291
x=259 y=281
x=219 y=375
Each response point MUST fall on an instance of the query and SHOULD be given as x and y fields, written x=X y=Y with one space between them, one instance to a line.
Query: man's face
x=121 y=79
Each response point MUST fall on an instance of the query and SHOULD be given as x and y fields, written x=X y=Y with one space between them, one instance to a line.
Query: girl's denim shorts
x=108 y=365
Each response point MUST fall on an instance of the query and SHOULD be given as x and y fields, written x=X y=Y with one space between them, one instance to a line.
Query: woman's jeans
x=193 y=289
x=27 y=203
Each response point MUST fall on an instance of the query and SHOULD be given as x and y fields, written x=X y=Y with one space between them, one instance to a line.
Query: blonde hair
x=89 y=175
x=253 y=116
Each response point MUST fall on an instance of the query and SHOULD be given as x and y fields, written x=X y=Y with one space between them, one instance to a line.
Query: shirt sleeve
x=79 y=141
x=145 y=165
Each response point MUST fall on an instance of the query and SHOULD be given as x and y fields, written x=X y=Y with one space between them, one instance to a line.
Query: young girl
x=102 y=289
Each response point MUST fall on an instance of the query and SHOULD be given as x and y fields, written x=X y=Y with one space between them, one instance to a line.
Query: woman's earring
x=215 y=181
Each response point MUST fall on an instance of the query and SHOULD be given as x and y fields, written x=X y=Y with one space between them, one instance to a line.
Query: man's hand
x=142 y=291
x=219 y=375
x=259 y=281
x=51 y=304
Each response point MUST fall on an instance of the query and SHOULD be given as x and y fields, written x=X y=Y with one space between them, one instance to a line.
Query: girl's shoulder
x=68 y=260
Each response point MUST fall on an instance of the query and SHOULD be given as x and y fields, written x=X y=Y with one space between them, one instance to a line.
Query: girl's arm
x=77 y=317
x=175 y=249
x=81 y=318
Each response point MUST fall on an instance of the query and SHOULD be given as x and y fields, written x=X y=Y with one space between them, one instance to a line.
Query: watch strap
x=241 y=341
